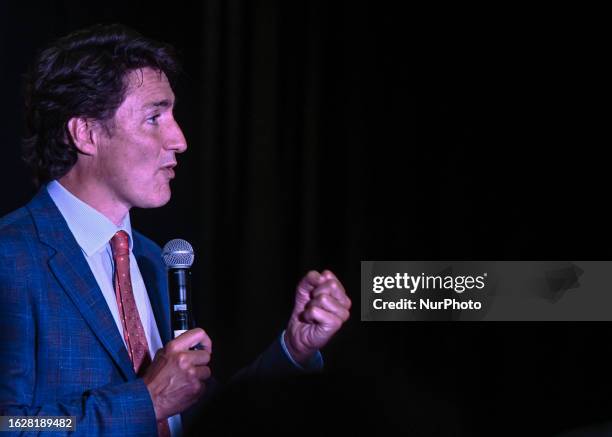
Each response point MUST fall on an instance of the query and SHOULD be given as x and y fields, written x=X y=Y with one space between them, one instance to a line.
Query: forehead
x=146 y=87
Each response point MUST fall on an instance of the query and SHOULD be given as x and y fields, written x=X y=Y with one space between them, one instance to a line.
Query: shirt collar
x=91 y=229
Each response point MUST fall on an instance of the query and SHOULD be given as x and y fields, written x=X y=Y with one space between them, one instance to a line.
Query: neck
x=95 y=195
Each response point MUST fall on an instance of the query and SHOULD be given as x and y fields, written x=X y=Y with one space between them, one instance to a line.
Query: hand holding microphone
x=175 y=379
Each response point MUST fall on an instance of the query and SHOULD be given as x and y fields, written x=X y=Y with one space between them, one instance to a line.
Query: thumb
x=304 y=288
x=309 y=282
x=189 y=339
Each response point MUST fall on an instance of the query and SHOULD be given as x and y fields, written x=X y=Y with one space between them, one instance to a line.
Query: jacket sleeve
x=122 y=409
x=275 y=362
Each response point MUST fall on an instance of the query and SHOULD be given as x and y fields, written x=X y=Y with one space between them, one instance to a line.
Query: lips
x=169 y=169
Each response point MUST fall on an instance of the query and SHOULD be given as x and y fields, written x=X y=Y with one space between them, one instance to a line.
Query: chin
x=159 y=199
x=163 y=200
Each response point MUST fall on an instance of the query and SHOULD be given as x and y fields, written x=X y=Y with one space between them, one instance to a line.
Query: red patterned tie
x=133 y=332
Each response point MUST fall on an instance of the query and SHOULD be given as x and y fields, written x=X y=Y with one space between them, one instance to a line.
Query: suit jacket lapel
x=72 y=271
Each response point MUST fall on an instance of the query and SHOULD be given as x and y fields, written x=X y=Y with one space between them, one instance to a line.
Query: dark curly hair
x=82 y=75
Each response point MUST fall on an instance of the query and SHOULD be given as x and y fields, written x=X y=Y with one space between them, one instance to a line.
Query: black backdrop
x=325 y=133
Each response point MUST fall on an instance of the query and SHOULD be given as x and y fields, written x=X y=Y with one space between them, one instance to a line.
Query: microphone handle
x=179 y=282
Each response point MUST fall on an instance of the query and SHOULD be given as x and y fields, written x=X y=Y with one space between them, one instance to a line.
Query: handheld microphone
x=178 y=256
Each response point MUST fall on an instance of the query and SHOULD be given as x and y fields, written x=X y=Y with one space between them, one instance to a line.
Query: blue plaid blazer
x=60 y=350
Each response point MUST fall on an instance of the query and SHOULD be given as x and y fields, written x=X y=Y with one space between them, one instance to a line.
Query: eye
x=153 y=119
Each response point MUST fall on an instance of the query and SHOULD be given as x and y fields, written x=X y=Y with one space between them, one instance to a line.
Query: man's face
x=135 y=164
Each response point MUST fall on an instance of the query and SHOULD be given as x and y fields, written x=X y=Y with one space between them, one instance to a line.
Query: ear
x=84 y=135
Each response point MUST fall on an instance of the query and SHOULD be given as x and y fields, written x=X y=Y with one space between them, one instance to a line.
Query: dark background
x=325 y=133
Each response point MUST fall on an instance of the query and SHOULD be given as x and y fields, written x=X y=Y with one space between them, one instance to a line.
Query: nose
x=175 y=139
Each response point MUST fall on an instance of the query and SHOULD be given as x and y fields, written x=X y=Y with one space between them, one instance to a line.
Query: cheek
x=133 y=159
x=141 y=161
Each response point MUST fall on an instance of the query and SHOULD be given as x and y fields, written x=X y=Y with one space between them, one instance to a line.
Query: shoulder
x=16 y=231
x=18 y=218
x=21 y=255
x=145 y=245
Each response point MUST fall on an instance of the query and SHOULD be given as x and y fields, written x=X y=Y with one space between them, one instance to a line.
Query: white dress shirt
x=93 y=232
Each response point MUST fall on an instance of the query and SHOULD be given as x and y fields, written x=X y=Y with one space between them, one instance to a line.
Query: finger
x=331 y=304
x=309 y=281
x=189 y=339
x=318 y=315
x=199 y=380
x=189 y=359
x=334 y=288
x=328 y=274
x=206 y=343
x=200 y=358
x=202 y=372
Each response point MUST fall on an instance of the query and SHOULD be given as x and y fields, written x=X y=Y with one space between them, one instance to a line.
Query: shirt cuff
x=313 y=365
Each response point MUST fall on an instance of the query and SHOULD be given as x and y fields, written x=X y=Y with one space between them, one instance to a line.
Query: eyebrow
x=165 y=103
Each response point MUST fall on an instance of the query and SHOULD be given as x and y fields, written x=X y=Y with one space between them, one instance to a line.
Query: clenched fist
x=321 y=307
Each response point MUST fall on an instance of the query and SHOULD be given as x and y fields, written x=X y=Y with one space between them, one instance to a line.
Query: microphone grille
x=178 y=253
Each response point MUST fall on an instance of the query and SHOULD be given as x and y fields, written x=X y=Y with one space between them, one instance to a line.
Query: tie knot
x=120 y=244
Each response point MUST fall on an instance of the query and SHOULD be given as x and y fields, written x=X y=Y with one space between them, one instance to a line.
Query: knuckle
x=171 y=347
x=182 y=360
x=196 y=387
x=203 y=357
x=207 y=372
x=325 y=298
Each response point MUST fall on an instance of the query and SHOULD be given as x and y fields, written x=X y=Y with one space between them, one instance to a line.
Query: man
x=83 y=297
